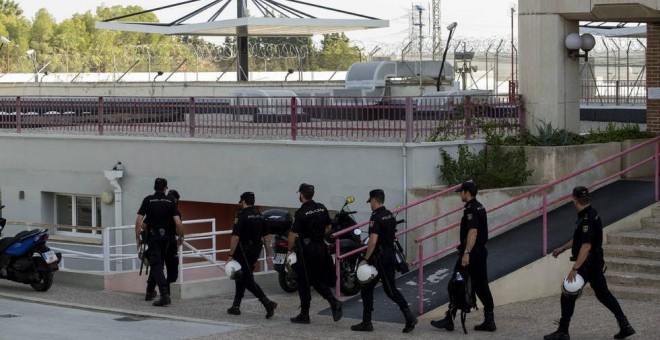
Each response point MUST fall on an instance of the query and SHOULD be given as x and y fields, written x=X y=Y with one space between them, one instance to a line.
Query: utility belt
x=251 y=244
x=308 y=241
x=159 y=233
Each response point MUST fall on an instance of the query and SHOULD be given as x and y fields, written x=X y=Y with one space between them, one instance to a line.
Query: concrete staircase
x=633 y=260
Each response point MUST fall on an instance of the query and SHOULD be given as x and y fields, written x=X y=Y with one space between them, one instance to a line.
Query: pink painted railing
x=543 y=208
x=376 y=119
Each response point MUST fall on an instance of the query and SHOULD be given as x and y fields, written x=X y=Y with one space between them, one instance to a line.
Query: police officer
x=473 y=256
x=164 y=224
x=314 y=265
x=171 y=259
x=380 y=253
x=246 y=244
x=587 y=252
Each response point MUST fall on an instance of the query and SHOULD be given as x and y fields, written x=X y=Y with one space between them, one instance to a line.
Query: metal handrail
x=544 y=206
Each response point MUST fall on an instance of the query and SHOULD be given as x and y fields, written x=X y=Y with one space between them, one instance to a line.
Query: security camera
x=4 y=40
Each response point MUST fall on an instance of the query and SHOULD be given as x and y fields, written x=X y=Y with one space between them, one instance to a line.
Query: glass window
x=84 y=211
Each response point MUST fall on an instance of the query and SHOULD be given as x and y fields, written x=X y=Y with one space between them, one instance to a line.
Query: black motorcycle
x=279 y=223
x=25 y=258
x=349 y=284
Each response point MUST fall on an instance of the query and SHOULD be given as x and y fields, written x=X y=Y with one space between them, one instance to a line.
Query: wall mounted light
x=574 y=42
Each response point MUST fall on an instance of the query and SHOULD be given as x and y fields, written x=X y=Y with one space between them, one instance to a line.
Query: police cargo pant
x=247 y=256
x=478 y=270
x=386 y=266
x=162 y=252
x=592 y=272
x=312 y=270
x=171 y=262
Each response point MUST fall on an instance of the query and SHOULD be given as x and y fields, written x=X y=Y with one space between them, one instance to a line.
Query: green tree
x=337 y=52
x=10 y=7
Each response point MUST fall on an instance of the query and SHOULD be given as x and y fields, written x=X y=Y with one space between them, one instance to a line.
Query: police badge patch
x=469 y=217
x=585 y=228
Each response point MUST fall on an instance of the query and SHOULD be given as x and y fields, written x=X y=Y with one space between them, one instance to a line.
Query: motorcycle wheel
x=287 y=282
x=45 y=281
x=349 y=284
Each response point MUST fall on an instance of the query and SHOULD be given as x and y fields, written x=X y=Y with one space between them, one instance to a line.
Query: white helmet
x=291 y=259
x=366 y=273
x=573 y=288
x=232 y=268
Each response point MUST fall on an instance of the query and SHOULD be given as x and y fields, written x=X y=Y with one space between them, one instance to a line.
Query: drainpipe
x=113 y=176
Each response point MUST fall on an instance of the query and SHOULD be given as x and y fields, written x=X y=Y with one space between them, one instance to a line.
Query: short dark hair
x=248 y=198
x=468 y=186
x=306 y=190
x=160 y=184
x=378 y=195
x=174 y=194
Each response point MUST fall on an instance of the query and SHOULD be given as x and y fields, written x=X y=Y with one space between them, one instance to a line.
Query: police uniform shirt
x=250 y=226
x=383 y=224
x=310 y=221
x=588 y=229
x=474 y=217
x=160 y=210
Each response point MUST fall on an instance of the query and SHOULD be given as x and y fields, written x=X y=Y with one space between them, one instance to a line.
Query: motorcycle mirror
x=350 y=199
x=357 y=232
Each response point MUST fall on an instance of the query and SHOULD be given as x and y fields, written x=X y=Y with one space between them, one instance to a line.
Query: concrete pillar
x=653 y=78
x=549 y=80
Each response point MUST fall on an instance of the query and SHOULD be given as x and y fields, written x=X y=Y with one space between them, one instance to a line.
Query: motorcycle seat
x=26 y=233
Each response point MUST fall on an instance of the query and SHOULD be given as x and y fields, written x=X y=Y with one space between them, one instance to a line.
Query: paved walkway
x=526 y=320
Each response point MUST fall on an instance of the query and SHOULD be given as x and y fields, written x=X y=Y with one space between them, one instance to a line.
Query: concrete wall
x=203 y=170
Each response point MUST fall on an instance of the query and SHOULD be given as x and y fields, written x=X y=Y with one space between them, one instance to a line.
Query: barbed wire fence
x=489 y=67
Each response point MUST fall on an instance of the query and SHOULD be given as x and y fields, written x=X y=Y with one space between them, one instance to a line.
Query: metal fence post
x=467 y=115
x=106 y=250
x=409 y=120
x=100 y=112
x=420 y=278
x=545 y=223
x=337 y=271
x=616 y=84
x=294 y=118
x=191 y=117
x=18 y=114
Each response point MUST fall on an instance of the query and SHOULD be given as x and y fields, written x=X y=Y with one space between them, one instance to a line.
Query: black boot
x=489 y=323
x=625 y=329
x=163 y=301
x=363 y=327
x=411 y=320
x=560 y=334
x=150 y=295
x=446 y=323
x=337 y=310
x=235 y=308
x=270 y=307
x=164 y=297
x=302 y=318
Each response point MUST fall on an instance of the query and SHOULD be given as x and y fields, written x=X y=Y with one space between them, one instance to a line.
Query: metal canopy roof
x=251 y=27
x=278 y=18
x=615 y=29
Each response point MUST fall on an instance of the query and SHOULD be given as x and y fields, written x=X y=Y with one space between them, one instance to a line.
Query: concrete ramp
x=509 y=251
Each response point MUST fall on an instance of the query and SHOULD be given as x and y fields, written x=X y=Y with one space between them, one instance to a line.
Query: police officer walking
x=171 y=259
x=380 y=252
x=163 y=226
x=249 y=236
x=473 y=257
x=587 y=252
x=314 y=265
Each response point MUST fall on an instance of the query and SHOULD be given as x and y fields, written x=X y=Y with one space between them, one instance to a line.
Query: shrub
x=491 y=167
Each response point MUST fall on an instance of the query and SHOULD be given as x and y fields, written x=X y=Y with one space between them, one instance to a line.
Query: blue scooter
x=25 y=258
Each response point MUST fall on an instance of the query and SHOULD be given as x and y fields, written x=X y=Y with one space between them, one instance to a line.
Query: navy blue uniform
x=160 y=210
x=383 y=224
x=250 y=227
x=589 y=229
x=314 y=266
x=474 y=217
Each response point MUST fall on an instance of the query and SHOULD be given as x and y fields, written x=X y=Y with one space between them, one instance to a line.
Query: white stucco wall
x=206 y=170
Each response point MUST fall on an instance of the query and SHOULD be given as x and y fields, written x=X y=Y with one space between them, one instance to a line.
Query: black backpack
x=461 y=296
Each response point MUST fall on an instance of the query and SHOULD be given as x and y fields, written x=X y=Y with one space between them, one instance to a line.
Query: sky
x=479 y=19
